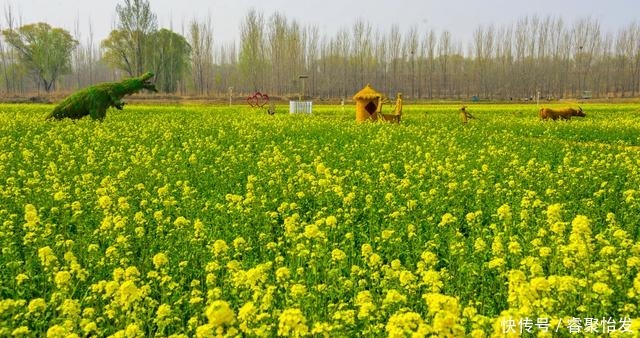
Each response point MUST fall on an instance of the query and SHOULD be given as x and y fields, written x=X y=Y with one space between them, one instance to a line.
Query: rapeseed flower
x=220 y=247
x=292 y=323
x=338 y=255
x=37 y=305
x=404 y=324
x=47 y=257
x=504 y=213
x=128 y=293
x=219 y=313
x=159 y=260
x=104 y=202
x=62 y=279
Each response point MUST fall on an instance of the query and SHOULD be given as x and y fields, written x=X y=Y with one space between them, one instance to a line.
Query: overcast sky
x=458 y=16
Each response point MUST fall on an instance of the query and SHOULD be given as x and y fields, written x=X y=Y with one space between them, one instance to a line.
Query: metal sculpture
x=258 y=100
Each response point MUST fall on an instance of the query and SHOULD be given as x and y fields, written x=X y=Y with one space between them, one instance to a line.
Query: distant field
x=213 y=220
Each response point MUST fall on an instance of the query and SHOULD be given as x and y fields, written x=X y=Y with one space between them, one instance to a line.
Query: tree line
x=533 y=56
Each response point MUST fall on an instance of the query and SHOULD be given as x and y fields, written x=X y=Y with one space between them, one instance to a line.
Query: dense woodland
x=558 y=59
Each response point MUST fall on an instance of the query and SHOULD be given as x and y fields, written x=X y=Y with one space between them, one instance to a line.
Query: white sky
x=458 y=16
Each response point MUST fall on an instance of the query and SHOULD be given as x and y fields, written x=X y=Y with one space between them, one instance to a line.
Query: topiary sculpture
x=95 y=100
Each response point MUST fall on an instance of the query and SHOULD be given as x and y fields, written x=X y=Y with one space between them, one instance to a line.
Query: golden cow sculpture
x=564 y=113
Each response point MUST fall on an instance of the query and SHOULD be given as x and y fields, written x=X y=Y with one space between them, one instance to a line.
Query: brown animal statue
x=564 y=113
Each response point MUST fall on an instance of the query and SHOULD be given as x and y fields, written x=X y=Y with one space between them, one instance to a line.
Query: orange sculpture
x=369 y=106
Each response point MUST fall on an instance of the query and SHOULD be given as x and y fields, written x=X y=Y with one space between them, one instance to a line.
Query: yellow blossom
x=504 y=213
x=31 y=214
x=282 y=274
x=403 y=324
x=247 y=311
x=37 y=305
x=181 y=222
x=62 y=278
x=22 y=330
x=338 y=255
x=331 y=221
x=292 y=323
x=219 y=313
x=21 y=278
x=57 y=331
x=447 y=219
x=602 y=289
x=47 y=257
x=159 y=260
x=298 y=290
x=163 y=311
x=386 y=234
x=366 y=250
x=219 y=247
x=128 y=293
x=393 y=297
x=104 y=202
x=406 y=278
x=70 y=308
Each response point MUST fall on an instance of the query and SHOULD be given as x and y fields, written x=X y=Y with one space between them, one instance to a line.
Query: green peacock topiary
x=95 y=100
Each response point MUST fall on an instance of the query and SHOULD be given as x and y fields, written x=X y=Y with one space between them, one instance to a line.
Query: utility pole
x=581 y=72
x=413 y=75
x=302 y=78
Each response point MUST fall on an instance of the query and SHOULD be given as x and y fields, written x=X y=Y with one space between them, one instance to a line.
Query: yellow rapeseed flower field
x=199 y=221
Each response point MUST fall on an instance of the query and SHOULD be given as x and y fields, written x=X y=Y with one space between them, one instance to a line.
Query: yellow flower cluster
x=200 y=221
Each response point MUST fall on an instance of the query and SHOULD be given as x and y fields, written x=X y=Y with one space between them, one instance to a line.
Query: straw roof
x=367 y=93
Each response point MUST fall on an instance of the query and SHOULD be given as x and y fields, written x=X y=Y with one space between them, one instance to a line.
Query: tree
x=126 y=46
x=586 y=39
x=276 y=43
x=169 y=58
x=313 y=36
x=361 y=53
x=483 y=43
x=252 y=61
x=12 y=72
x=43 y=50
x=429 y=44
x=395 y=55
x=117 y=53
x=410 y=47
x=444 y=53
x=201 y=41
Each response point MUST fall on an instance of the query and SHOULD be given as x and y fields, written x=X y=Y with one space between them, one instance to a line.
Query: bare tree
x=252 y=63
x=532 y=54
x=444 y=54
x=201 y=41
x=483 y=41
x=429 y=43
x=11 y=70
x=410 y=48
x=585 y=39
x=312 y=53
